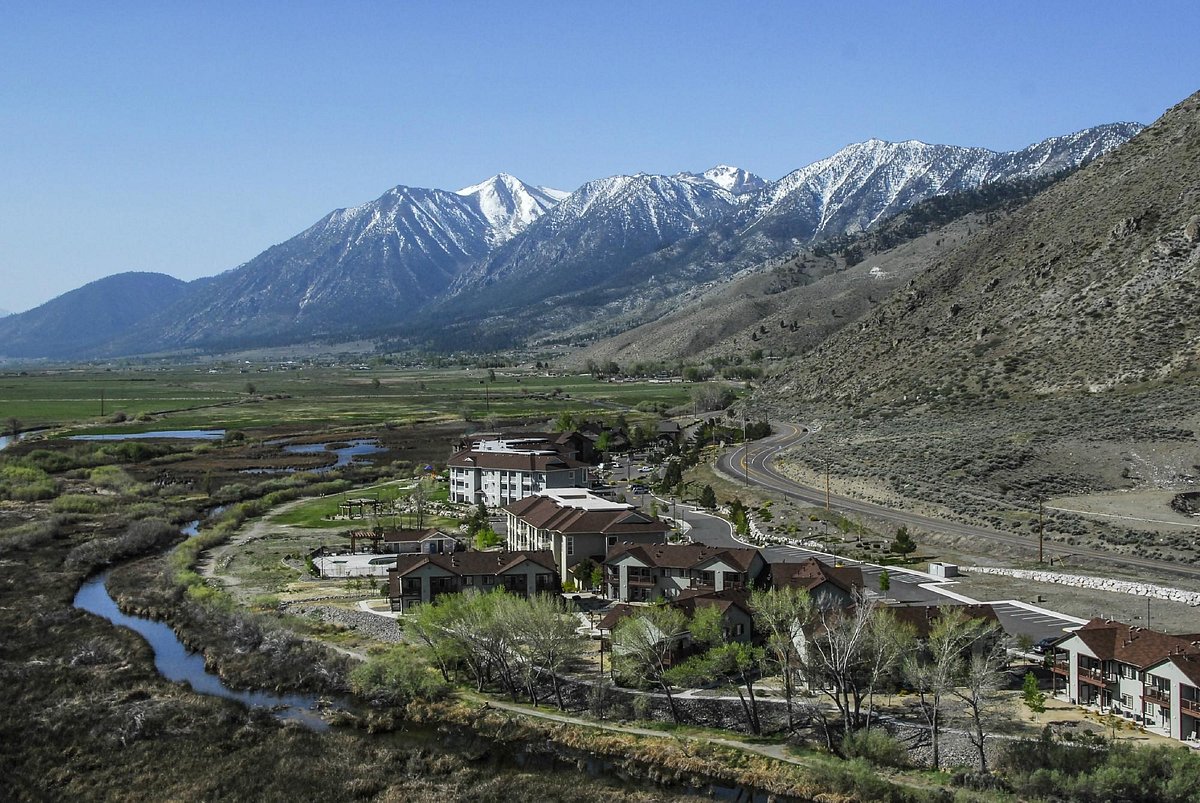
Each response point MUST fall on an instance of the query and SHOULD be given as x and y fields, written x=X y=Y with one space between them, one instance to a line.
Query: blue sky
x=187 y=137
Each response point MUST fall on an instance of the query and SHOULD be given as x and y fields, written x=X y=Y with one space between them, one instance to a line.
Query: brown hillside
x=1091 y=286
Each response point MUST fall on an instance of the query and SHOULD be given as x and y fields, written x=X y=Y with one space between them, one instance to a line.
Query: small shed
x=943 y=570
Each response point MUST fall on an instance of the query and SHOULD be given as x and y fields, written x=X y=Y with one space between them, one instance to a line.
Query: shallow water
x=175 y=434
x=177 y=663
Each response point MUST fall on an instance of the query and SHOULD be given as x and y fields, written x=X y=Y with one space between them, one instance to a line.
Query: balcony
x=1061 y=667
x=1189 y=706
x=1095 y=677
x=1153 y=694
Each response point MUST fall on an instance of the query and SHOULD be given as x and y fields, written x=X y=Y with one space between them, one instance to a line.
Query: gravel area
x=380 y=628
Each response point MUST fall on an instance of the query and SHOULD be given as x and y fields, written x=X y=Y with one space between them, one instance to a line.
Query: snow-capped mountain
x=357 y=270
x=734 y=179
x=596 y=232
x=509 y=204
x=868 y=181
x=503 y=255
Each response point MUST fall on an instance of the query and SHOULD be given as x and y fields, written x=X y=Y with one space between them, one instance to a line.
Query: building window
x=570 y=545
x=739 y=629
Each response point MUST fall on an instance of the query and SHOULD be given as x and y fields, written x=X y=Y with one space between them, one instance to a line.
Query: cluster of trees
x=478 y=527
x=849 y=655
x=499 y=639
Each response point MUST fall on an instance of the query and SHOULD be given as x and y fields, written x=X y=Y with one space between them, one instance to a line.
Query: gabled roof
x=474 y=563
x=544 y=512
x=689 y=601
x=923 y=617
x=512 y=461
x=1116 y=641
x=614 y=615
x=405 y=536
x=685 y=556
x=1187 y=662
x=812 y=574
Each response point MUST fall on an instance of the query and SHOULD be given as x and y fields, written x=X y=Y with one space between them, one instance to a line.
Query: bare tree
x=981 y=682
x=889 y=641
x=938 y=668
x=13 y=426
x=779 y=613
x=835 y=654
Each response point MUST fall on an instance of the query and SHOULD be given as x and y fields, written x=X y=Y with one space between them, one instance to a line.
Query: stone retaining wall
x=1098 y=583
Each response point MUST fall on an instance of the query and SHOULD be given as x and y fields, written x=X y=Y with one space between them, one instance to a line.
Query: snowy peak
x=734 y=179
x=509 y=204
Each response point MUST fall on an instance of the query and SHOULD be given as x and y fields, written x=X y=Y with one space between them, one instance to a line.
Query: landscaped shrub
x=877 y=746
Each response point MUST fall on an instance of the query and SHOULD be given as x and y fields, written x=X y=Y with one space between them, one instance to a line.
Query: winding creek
x=177 y=663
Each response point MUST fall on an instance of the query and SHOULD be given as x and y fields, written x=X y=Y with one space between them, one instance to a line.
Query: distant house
x=429 y=541
x=501 y=470
x=828 y=586
x=418 y=579
x=575 y=524
x=641 y=573
x=1144 y=675
x=668 y=433
x=737 y=617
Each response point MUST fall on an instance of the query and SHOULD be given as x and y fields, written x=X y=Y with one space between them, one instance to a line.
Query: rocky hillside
x=1089 y=287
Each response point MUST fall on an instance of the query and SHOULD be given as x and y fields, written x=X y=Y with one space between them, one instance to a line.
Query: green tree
x=1033 y=697
x=486 y=538
x=582 y=572
x=708 y=497
x=397 y=676
x=903 y=543
x=779 y=613
x=643 y=645
x=885 y=581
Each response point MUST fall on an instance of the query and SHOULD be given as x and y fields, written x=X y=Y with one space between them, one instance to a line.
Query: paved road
x=760 y=470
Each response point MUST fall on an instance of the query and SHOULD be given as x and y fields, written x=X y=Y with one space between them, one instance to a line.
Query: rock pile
x=1098 y=583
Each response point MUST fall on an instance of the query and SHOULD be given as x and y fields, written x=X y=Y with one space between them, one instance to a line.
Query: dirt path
x=211 y=561
x=775 y=751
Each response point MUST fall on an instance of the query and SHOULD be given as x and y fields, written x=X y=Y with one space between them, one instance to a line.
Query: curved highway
x=760 y=471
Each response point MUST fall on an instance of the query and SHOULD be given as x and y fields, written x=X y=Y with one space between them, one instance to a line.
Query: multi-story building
x=422 y=578
x=1149 y=677
x=500 y=470
x=575 y=524
x=640 y=573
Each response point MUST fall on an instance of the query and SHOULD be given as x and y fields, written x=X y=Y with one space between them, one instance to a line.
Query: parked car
x=639 y=488
x=1044 y=645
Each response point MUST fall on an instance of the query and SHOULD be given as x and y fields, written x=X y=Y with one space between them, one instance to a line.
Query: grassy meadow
x=303 y=397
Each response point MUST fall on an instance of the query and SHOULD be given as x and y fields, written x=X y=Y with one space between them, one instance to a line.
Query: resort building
x=575 y=524
x=500 y=470
x=417 y=579
x=641 y=573
x=1148 y=677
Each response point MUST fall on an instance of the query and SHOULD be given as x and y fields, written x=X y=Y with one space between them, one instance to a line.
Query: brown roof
x=1188 y=663
x=685 y=556
x=923 y=617
x=412 y=535
x=1117 y=641
x=812 y=573
x=512 y=461
x=615 y=614
x=544 y=513
x=689 y=601
x=474 y=563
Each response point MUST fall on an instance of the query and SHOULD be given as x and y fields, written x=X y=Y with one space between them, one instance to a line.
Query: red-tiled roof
x=474 y=563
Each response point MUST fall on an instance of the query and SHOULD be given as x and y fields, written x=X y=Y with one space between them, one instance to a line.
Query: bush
x=397 y=677
x=877 y=746
x=138 y=538
x=83 y=503
x=26 y=484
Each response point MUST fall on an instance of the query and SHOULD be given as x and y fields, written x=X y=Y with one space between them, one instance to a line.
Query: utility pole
x=1041 y=528
x=101 y=402
x=745 y=448
x=827 y=485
